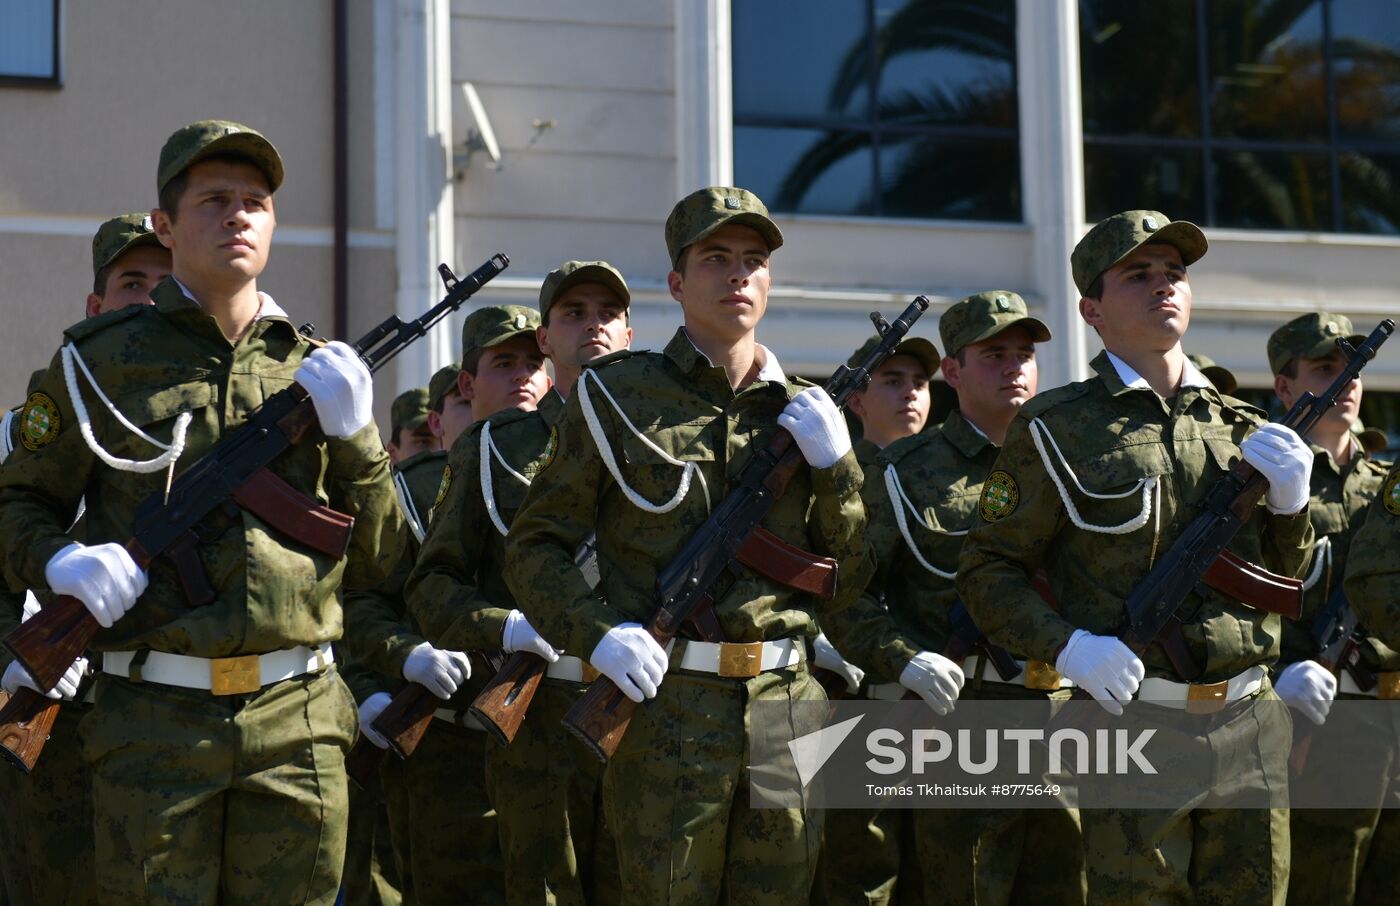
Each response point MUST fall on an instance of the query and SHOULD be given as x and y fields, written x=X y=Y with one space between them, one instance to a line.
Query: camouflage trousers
x=867 y=858
x=547 y=789
x=450 y=848
x=200 y=798
x=371 y=875
x=676 y=795
x=1351 y=855
x=1001 y=856
x=1216 y=845
x=46 y=849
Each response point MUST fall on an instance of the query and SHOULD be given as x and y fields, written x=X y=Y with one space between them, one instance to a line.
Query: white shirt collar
x=268 y=309
x=771 y=370
x=1191 y=377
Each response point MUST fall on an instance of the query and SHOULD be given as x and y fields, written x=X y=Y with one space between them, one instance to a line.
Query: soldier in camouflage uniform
x=1126 y=457
x=868 y=854
x=647 y=443
x=1334 y=851
x=53 y=805
x=455 y=592
x=219 y=732
x=429 y=827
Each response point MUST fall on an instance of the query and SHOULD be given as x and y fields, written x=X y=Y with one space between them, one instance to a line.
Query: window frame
x=8 y=80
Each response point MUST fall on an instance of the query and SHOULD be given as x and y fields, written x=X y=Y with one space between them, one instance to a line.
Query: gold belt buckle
x=590 y=673
x=234 y=675
x=1206 y=698
x=740 y=659
x=1388 y=685
x=1040 y=675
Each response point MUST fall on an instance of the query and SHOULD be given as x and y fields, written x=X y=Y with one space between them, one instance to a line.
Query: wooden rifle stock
x=404 y=721
x=363 y=761
x=501 y=705
x=26 y=719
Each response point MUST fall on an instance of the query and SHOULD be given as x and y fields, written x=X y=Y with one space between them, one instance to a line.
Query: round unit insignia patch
x=443 y=486
x=999 y=496
x=39 y=422
x=1390 y=494
x=549 y=450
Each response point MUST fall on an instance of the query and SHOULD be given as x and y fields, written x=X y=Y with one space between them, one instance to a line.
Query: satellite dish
x=480 y=135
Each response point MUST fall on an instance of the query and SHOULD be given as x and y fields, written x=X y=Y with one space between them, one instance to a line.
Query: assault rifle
x=233 y=473
x=1337 y=637
x=709 y=562
x=1155 y=604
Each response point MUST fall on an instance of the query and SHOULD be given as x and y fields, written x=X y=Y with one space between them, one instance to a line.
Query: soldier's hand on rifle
x=519 y=635
x=630 y=657
x=437 y=669
x=369 y=710
x=103 y=577
x=818 y=427
x=66 y=689
x=1308 y=688
x=340 y=387
x=1285 y=460
x=935 y=679
x=829 y=658
x=1103 y=666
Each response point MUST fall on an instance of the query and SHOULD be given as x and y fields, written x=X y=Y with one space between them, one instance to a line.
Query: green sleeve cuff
x=841 y=480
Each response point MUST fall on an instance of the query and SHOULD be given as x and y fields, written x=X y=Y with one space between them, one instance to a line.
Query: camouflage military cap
x=982 y=316
x=701 y=213
x=922 y=350
x=1312 y=336
x=409 y=410
x=490 y=326
x=118 y=236
x=1222 y=377
x=1112 y=240
x=572 y=273
x=1372 y=440
x=443 y=380
x=199 y=140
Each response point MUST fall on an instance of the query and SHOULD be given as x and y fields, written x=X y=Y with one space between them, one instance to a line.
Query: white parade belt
x=221 y=675
x=1201 y=698
x=459 y=718
x=572 y=669
x=739 y=659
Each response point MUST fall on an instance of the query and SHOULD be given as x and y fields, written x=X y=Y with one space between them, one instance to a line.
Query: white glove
x=519 y=635
x=831 y=659
x=66 y=688
x=630 y=657
x=1105 y=668
x=438 y=669
x=371 y=708
x=103 y=577
x=340 y=387
x=936 y=679
x=818 y=427
x=1281 y=456
x=1308 y=688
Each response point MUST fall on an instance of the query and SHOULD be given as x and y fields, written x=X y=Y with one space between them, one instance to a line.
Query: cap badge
x=1330 y=328
x=731 y=202
x=1002 y=304
x=1149 y=224
x=146 y=224
x=520 y=322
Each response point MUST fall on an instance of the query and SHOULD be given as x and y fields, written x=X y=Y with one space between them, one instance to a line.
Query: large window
x=889 y=108
x=1262 y=114
x=29 y=42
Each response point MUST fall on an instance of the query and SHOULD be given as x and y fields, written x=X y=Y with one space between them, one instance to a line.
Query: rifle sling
x=295 y=515
x=1241 y=580
x=773 y=558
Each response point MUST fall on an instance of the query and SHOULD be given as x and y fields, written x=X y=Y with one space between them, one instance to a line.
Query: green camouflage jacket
x=1373 y=568
x=686 y=408
x=941 y=473
x=457 y=593
x=1112 y=440
x=155 y=362
x=378 y=633
x=1340 y=497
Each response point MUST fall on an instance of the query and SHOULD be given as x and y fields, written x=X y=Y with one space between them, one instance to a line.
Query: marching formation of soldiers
x=199 y=754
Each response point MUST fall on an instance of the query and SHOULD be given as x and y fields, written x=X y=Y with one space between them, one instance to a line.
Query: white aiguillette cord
x=488 y=490
x=899 y=500
x=1040 y=433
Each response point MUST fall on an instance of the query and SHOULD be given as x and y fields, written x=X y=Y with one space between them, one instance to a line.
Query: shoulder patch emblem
x=999 y=496
x=550 y=449
x=1390 y=494
x=39 y=422
x=443 y=486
